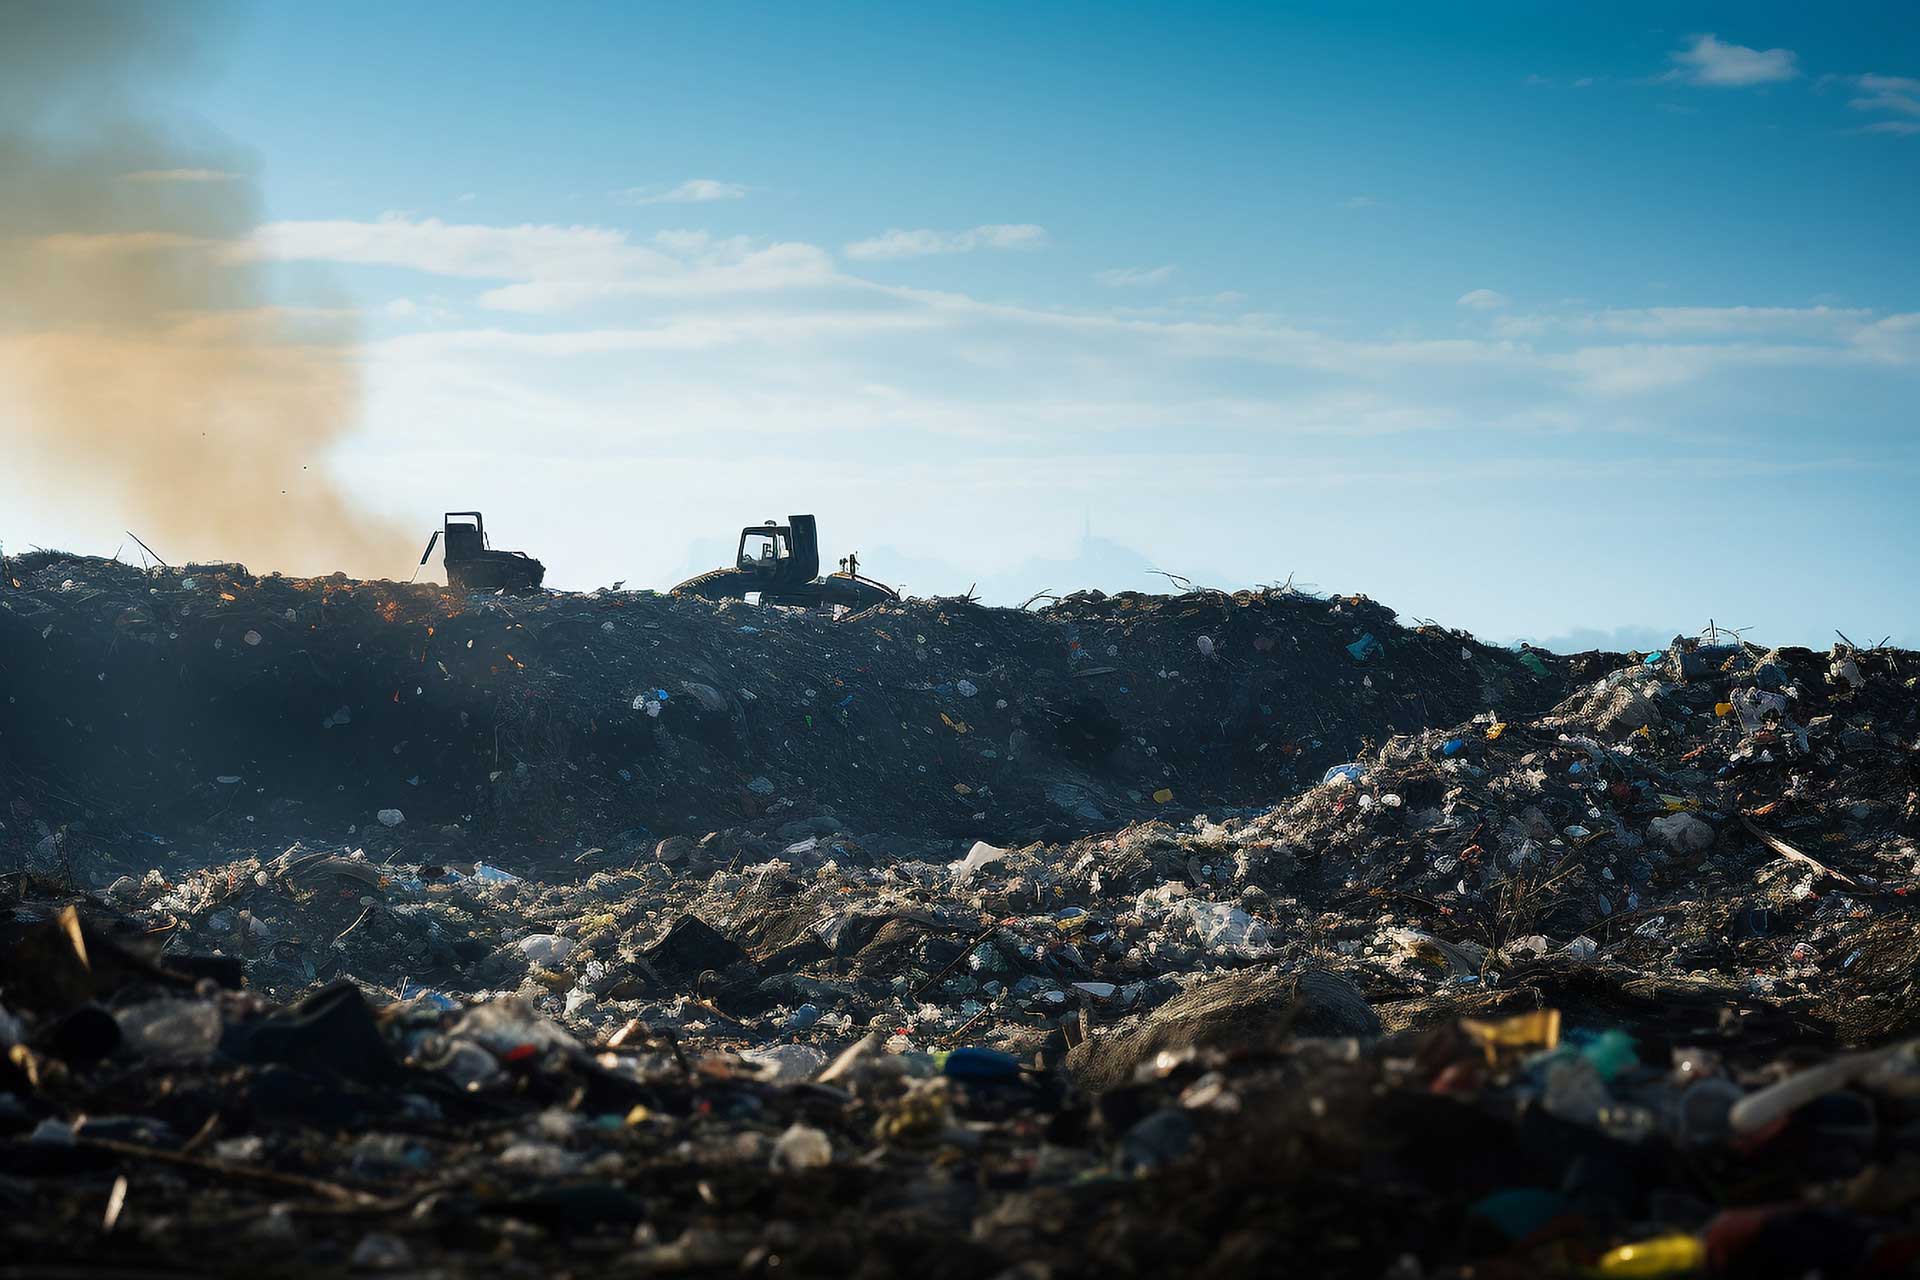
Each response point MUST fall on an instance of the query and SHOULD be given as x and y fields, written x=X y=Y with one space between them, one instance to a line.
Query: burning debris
x=433 y=930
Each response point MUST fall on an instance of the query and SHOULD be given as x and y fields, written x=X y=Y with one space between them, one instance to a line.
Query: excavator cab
x=761 y=549
x=471 y=562
x=779 y=556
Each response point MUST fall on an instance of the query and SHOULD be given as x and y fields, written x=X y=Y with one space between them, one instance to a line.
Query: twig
x=1787 y=851
x=149 y=550
x=246 y=1173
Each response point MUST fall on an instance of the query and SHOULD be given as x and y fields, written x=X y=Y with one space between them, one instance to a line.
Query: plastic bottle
x=1672 y=1255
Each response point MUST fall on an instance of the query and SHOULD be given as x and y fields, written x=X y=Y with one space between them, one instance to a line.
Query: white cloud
x=1692 y=322
x=1902 y=127
x=692 y=191
x=182 y=175
x=1712 y=63
x=402 y=308
x=917 y=244
x=1482 y=300
x=466 y=197
x=1129 y=277
x=1359 y=202
x=549 y=267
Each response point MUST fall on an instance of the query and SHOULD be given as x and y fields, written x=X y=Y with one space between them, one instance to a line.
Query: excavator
x=781 y=562
x=473 y=565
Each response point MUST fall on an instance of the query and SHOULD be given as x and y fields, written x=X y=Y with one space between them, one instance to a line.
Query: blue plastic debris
x=409 y=990
x=1363 y=648
x=1654 y=658
x=1453 y=746
x=1351 y=772
x=981 y=1065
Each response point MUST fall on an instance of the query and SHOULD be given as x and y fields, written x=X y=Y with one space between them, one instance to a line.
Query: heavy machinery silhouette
x=472 y=565
x=782 y=563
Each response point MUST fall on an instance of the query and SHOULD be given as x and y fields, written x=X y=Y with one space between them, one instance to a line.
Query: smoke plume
x=146 y=364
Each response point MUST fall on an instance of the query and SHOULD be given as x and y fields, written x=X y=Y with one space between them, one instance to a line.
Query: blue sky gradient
x=1526 y=319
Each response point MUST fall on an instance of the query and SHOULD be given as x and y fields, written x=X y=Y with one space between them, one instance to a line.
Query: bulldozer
x=473 y=565
x=781 y=562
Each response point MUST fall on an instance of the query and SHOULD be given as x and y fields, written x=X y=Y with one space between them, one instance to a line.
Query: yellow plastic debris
x=1723 y=709
x=962 y=789
x=1522 y=1033
x=1163 y=795
x=638 y=1116
x=958 y=726
x=1495 y=729
x=1673 y=1255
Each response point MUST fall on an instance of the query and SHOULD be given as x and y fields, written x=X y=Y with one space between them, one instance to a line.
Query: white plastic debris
x=1226 y=928
x=966 y=688
x=390 y=817
x=546 y=949
x=977 y=857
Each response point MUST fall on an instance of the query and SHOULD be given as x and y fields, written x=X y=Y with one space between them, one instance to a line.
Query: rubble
x=1604 y=968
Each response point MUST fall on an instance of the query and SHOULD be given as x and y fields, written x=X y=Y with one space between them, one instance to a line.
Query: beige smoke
x=145 y=363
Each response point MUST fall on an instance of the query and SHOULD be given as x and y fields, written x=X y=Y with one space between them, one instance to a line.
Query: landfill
x=354 y=928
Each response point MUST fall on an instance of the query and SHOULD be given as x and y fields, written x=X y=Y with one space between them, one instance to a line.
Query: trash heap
x=1604 y=969
x=199 y=710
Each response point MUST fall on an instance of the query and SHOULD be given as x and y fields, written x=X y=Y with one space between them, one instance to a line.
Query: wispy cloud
x=923 y=243
x=692 y=191
x=1360 y=202
x=1691 y=322
x=1481 y=300
x=182 y=175
x=551 y=268
x=1890 y=95
x=1713 y=63
x=1129 y=277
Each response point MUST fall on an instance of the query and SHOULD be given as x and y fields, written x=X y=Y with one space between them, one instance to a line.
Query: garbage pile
x=1604 y=968
x=171 y=716
x=154 y=1117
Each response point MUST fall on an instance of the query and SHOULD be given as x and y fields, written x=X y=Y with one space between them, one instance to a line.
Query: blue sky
x=1524 y=319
